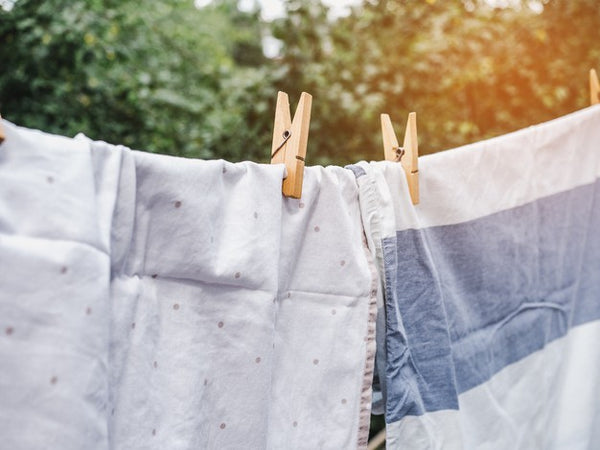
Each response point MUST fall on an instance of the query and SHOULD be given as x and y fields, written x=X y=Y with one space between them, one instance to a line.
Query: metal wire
x=286 y=136
x=399 y=153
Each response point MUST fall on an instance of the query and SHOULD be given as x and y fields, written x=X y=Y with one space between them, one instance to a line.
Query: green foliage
x=470 y=71
x=164 y=77
x=170 y=78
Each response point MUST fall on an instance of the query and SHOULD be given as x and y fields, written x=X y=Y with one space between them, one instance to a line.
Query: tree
x=166 y=77
x=174 y=79
x=470 y=71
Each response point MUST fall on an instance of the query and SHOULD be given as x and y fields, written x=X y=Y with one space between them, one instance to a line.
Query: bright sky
x=7 y=5
x=273 y=9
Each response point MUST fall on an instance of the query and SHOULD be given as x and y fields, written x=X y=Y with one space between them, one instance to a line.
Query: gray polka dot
x=88 y=310
x=344 y=401
x=154 y=275
x=289 y=294
x=205 y=382
x=224 y=170
x=112 y=412
x=133 y=325
x=155 y=364
x=9 y=330
x=237 y=274
x=54 y=380
x=333 y=312
x=222 y=426
x=295 y=424
x=63 y=269
x=177 y=204
x=300 y=205
x=220 y=324
x=342 y=263
x=255 y=215
x=176 y=306
x=153 y=431
x=317 y=229
x=257 y=359
x=50 y=180
x=315 y=361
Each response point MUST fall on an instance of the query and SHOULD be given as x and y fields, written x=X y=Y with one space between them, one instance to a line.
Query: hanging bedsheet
x=492 y=291
x=148 y=301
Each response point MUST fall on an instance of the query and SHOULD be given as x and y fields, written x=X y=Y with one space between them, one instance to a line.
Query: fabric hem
x=366 y=390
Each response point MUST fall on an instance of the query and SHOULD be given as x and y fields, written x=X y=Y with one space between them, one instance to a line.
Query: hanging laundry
x=492 y=291
x=148 y=301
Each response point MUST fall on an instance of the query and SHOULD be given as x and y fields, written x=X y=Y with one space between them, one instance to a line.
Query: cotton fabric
x=492 y=291
x=148 y=301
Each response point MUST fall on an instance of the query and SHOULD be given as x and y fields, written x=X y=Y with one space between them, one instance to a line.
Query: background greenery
x=168 y=77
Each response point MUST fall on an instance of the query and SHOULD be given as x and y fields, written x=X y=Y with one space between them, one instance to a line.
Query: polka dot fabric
x=157 y=302
x=54 y=291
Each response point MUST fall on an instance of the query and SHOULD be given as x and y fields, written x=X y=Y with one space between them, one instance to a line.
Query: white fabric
x=148 y=301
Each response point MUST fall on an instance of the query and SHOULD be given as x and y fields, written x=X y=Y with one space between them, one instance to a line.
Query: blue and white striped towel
x=492 y=291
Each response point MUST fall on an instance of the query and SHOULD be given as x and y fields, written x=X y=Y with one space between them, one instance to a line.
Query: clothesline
x=293 y=153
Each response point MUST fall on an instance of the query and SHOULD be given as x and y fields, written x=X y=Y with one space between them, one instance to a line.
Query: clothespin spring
x=399 y=153
x=286 y=136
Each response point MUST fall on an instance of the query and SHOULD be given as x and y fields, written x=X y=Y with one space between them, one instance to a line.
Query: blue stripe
x=464 y=301
x=357 y=170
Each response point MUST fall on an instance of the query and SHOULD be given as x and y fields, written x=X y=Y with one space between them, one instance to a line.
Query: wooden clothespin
x=594 y=88
x=290 y=138
x=408 y=155
x=2 y=135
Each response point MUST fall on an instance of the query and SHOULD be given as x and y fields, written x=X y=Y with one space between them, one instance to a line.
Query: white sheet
x=148 y=301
